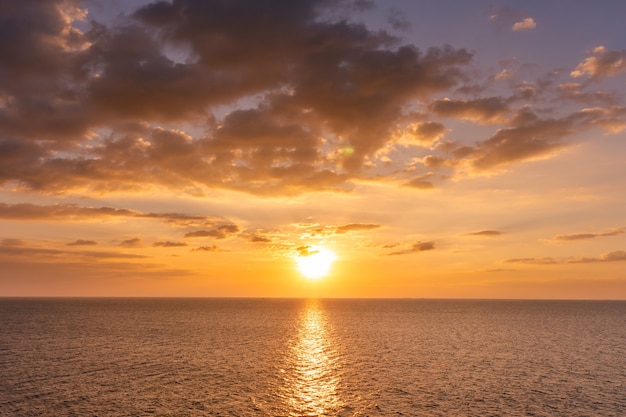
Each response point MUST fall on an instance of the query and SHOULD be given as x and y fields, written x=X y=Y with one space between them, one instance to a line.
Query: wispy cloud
x=614 y=256
x=415 y=248
x=73 y=212
x=81 y=242
x=212 y=248
x=486 y=233
x=219 y=232
x=354 y=227
x=168 y=244
x=42 y=253
x=131 y=243
x=535 y=261
x=618 y=255
x=588 y=235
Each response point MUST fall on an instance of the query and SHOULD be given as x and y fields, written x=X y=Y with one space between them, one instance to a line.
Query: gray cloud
x=93 y=111
x=322 y=79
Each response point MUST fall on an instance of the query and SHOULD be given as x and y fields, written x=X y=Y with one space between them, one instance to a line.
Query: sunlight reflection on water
x=312 y=376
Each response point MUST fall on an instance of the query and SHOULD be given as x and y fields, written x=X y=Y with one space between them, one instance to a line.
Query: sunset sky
x=458 y=149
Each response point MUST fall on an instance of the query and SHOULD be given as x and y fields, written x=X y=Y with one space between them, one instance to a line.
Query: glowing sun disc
x=317 y=263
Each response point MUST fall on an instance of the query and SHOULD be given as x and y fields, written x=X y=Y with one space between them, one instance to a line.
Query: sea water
x=279 y=357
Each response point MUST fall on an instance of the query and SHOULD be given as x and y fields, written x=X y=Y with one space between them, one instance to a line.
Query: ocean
x=292 y=357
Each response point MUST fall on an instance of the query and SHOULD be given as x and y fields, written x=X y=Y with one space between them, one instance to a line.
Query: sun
x=314 y=262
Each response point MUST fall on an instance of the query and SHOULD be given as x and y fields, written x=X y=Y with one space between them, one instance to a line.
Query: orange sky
x=193 y=149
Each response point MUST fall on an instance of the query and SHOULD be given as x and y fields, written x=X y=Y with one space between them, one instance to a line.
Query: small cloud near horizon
x=81 y=242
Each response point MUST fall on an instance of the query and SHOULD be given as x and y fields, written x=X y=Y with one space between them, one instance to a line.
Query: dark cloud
x=311 y=98
x=527 y=141
x=415 y=248
x=487 y=233
x=81 y=242
x=324 y=81
x=584 y=236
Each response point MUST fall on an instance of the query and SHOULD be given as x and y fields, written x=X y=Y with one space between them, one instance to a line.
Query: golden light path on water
x=312 y=375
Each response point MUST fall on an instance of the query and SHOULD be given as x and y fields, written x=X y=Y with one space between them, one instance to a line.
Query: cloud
x=353 y=227
x=415 y=248
x=507 y=18
x=584 y=236
x=483 y=110
x=131 y=243
x=55 y=253
x=256 y=238
x=527 y=23
x=219 y=232
x=168 y=244
x=614 y=256
x=13 y=242
x=486 y=233
x=421 y=183
x=534 y=261
x=212 y=248
x=90 y=109
x=536 y=138
x=65 y=212
x=601 y=63
x=81 y=242
x=323 y=85
x=306 y=250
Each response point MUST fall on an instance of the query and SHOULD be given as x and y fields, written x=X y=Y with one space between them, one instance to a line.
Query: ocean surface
x=278 y=357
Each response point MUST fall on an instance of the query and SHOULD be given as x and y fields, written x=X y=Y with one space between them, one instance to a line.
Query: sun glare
x=316 y=262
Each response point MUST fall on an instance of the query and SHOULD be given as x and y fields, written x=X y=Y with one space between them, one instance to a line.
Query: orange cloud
x=601 y=63
x=415 y=248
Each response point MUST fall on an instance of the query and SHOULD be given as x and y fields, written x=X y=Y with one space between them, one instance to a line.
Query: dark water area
x=279 y=357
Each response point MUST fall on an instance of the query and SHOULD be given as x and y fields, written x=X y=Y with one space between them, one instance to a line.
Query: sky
x=445 y=149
